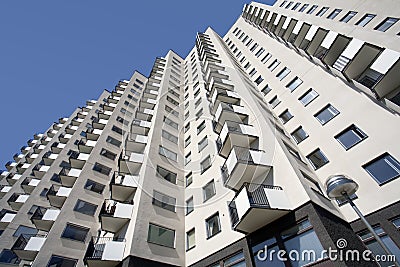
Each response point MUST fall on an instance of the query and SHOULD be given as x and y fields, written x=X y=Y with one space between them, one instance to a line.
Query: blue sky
x=55 y=55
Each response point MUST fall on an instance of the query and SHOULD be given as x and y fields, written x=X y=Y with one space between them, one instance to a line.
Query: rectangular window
x=187 y=141
x=75 y=232
x=259 y=52
x=208 y=191
x=326 y=114
x=334 y=13
x=350 y=137
x=164 y=201
x=299 y=135
x=312 y=9
x=161 y=236
x=386 y=24
x=296 y=6
x=188 y=158
x=266 y=90
x=348 y=16
x=383 y=168
x=296 y=82
x=187 y=127
x=283 y=73
x=317 y=159
x=171 y=123
x=205 y=164
x=190 y=239
x=259 y=80
x=365 y=20
x=213 y=225
x=25 y=230
x=85 y=207
x=127 y=113
x=322 y=11
x=102 y=169
x=201 y=127
x=303 y=7
x=199 y=113
x=202 y=144
x=274 y=64
x=308 y=97
x=169 y=136
x=171 y=110
x=252 y=72
x=94 y=186
x=121 y=120
x=117 y=130
x=58 y=261
x=189 y=205
x=189 y=179
x=285 y=116
x=266 y=58
x=166 y=174
x=274 y=101
x=108 y=154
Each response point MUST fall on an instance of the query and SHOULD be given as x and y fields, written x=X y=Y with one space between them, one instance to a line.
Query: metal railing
x=38 y=213
x=97 y=245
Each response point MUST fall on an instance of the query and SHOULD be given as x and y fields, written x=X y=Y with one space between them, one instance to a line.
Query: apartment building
x=213 y=158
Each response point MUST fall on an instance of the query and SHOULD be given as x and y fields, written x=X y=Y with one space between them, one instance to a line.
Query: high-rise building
x=221 y=158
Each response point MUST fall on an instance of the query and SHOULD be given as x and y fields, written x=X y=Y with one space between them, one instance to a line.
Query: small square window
x=166 y=174
x=208 y=191
x=317 y=159
x=326 y=114
x=85 y=207
x=365 y=20
x=383 y=169
x=322 y=12
x=164 y=201
x=303 y=7
x=283 y=73
x=259 y=80
x=299 y=135
x=94 y=186
x=205 y=164
x=188 y=158
x=274 y=65
x=334 y=13
x=350 y=137
x=201 y=127
x=312 y=9
x=58 y=261
x=285 y=116
x=266 y=90
x=348 y=16
x=308 y=97
x=274 y=102
x=386 y=24
x=75 y=232
x=296 y=82
x=202 y=144
x=213 y=225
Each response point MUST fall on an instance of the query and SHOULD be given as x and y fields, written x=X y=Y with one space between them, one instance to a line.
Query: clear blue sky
x=55 y=55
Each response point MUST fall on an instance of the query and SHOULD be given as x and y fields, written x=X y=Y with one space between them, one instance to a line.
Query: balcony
x=57 y=147
x=37 y=136
x=4 y=189
x=104 y=252
x=149 y=93
x=140 y=127
x=25 y=149
x=104 y=114
x=18 y=157
x=216 y=74
x=114 y=99
x=44 y=218
x=57 y=195
x=123 y=186
x=243 y=165
x=46 y=140
x=147 y=103
x=93 y=134
x=26 y=247
x=40 y=170
x=330 y=49
x=77 y=121
x=235 y=134
x=77 y=160
x=13 y=178
x=99 y=123
x=38 y=148
x=32 y=142
x=16 y=200
x=10 y=164
x=229 y=112
x=49 y=158
x=136 y=142
x=71 y=129
x=21 y=167
x=82 y=114
x=29 y=184
x=144 y=114
x=57 y=127
x=114 y=215
x=255 y=206
x=31 y=157
x=64 y=138
x=69 y=176
x=6 y=216
x=109 y=107
x=85 y=145
x=228 y=97
x=130 y=162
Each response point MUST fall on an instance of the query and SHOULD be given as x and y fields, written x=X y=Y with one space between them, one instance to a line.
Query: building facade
x=220 y=158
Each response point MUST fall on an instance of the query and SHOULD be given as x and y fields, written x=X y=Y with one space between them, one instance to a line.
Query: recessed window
x=199 y=113
x=312 y=9
x=102 y=169
x=384 y=168
x=213 y=225
x=85 y=207
x=164 y=201
x=75 y=232
x=189 y=179
x=188 y=158
x=348 y=16
x=166 y=174
x=314 y=184
x=308 y=97
x=205 y=164
x=113 y=141
x=283 y=73
x=58 y=261
x=283 y=3
x=208 y=191
x=334 y=13
x=189 y=205
x=274 y=64
x=25 y=230
x=187 y=141
x=259 y=52
x=326 y=114
x=274 y=101
x=202 y=144
x=296 y=5
x=167 y=153
x=187 y=127
x=350 y=137
x=386 y=24
x=266 y=90
x=317 y=159
x=299 y=135
x=161 y=236
x=94 y=186
x=296 y=82
x=190 y=239
x=289 y=5
x=365 y=20
x=167 y=135
x=201 y=127
x=108 y=154
x=266 y=58
x=322 y=12
x=259 y=80
x=170 y=123
x=285 y=116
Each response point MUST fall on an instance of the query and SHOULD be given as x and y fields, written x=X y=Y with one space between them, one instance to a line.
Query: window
x=189 y=205
x=348 y=16
x=283 y=3
x=266 y=58
x=58 y=261
x=32 y=209
x=25 y=230
x=85 y=207
x=75 y=232
x=190 y=239
x=127 y=113
x=169 y=137
x=202 y=144
x=170 y=123
x=161 y=236
x=205 y=164
x=172 y=101
x=102 y=169
x=283 y=73
x=322 y=12
x=317 y=159
x=274 y=64
x=285 y=116
x=187 y=141
x=171 y=110
x=199 y=113
x=303 y=7
x=266 y=90
x=386 y=24
x=312 y=9
x=259 y=80
x=289 y=5
x=208 y=191
x=188 y=158
x=383 y=168
x=252 y=72
x=187 y=127
x=296 y=82
x=121 y=120
x=166 y=174
x=308 y=97
x=299 y=135
x=365 y=20
x=396 y=222
x=117 y=130
x=108 y=154
x=201 y=127
x=274 y=102
x=213 y=225
x=259 y=52
x=189 y=179
x=167 y=153
x=113 y=141
x=164 y=201
x=314 y=184
x=334 y=13
x=326 y=114
x=94 y=186
x=350 y=137
x=8 y=256
x=296 y=5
